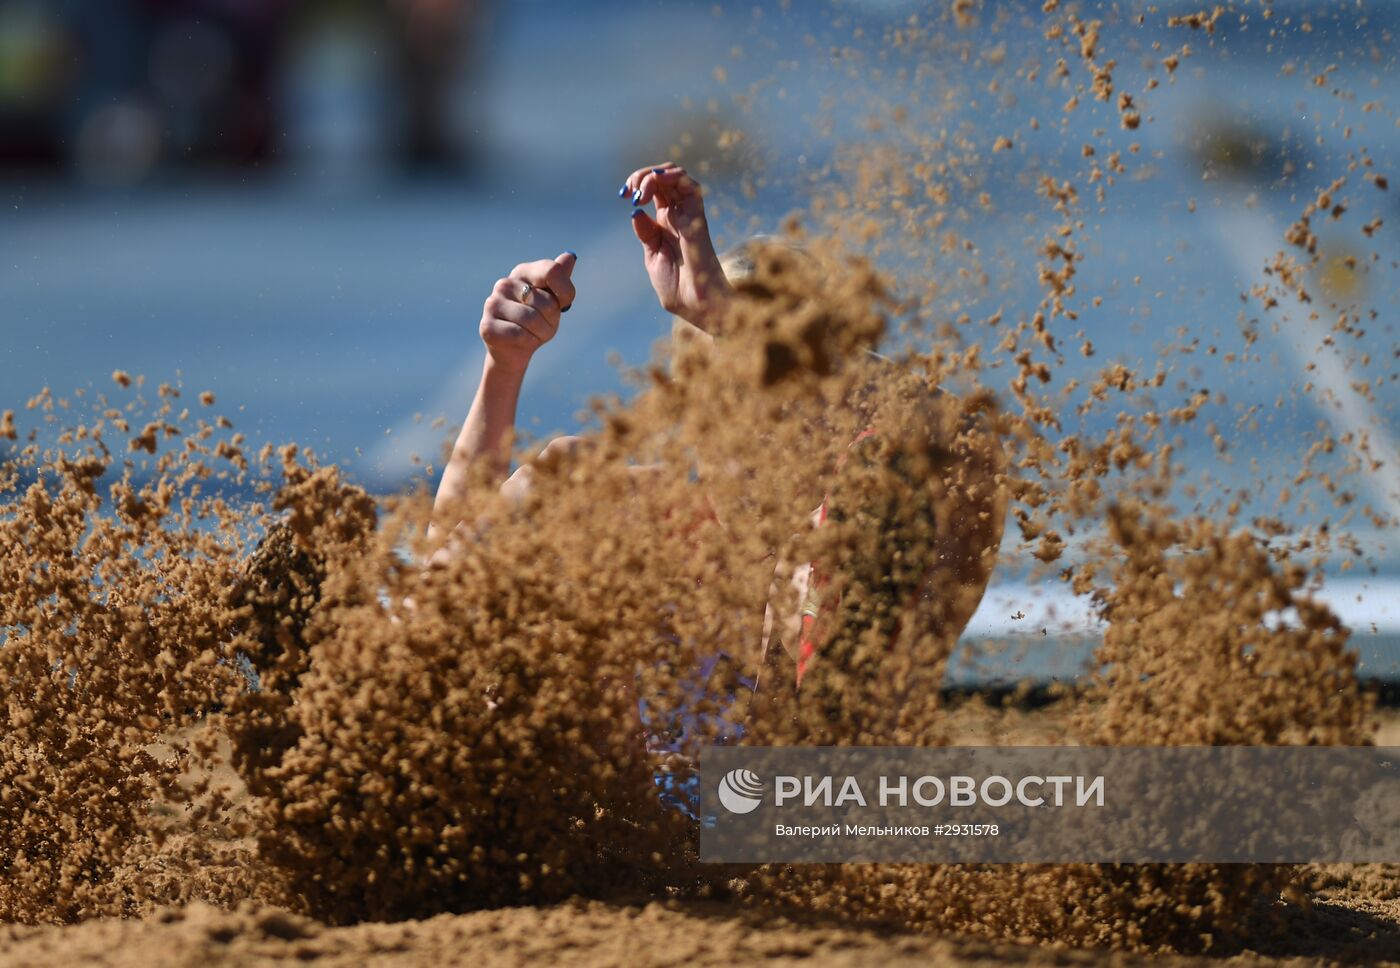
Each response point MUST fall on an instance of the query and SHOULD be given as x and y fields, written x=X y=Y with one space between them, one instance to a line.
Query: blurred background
x=301 y=204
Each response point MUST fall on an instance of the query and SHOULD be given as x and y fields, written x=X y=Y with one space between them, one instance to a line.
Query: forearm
x=483 y=446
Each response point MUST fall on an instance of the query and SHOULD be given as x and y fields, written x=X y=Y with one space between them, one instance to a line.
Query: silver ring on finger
x=525 y=292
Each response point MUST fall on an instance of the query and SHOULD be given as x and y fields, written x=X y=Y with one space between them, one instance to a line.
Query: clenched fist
x=522 y=313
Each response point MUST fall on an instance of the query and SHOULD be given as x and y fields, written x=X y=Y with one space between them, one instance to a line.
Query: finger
x=646 y=229
x=634 y=180
x=539 y=274
x=669 y=185
x=535 y=273
x=677 y=181
x=514 y=289
x=559 y=280
x=646 y=190
x=532 y=320
x=533 y=309
x=544 y=302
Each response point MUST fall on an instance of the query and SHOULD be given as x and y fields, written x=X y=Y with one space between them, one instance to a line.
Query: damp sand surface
x=1352 y=917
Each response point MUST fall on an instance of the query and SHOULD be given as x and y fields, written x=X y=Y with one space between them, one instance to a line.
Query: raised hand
x=522 y=313
x=679 y=255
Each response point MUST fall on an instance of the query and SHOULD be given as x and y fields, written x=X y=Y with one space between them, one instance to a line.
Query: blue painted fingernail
x=658 y=171
x=572 y=253
x=636 y=196
x=622 y=192
x=637 y=211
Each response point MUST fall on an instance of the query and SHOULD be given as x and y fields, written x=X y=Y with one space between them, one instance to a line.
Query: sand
x=444 y=756
x=589 y=933
x=1355 y=916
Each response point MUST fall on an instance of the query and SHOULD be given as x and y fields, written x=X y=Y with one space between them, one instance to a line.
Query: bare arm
x=521 y=315
x=485 y=437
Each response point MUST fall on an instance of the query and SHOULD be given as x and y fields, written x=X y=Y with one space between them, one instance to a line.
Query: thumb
x=566 y=261
x=648 y=232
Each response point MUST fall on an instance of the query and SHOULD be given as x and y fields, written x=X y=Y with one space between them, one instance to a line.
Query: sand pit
x=595 y=933
x=1351 y=915
x=590 y=933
